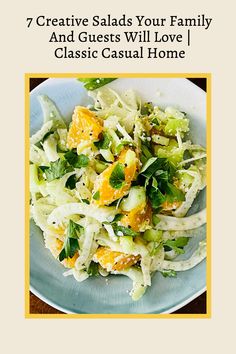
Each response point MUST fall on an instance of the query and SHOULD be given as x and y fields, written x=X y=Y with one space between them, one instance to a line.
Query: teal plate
x=110 y=295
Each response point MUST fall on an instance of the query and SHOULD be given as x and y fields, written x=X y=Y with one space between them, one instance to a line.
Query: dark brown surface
x=201 y=82
x=197 y=306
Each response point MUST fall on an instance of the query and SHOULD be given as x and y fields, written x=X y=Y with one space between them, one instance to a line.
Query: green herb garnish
x=71 y=182
x=56 y=170
x=126 y=231
x=86 y=201
x=147 y=108
x=176 y=245
x=155 y=219
x=156 y=247
x=158 y=175
x=146 y=153
x=173 y=193
x=117 y=217
x=156 y=197
x=117 y=177
x=93 y=269
x=96 y=195
x=168 y=273
x=71 y=244
x=94 y=83
x=121 y=145
x=76 y=160
x=104 y=142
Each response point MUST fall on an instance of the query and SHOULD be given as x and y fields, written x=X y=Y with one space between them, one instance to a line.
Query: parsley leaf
x=71 y=182
x=76 y=160
x=93 y=269
x=173 y=193
x=158 y=174
x=155 y=121
x=74 y=229
x=168 y=273
x=146 y=154
x=96 y=195
x=94 y=83
x=117 y=217
x=86 y=201
x=71 y=245
x=126 y=231
x=156 y=197
x=154 y=164
x=156 y=246
x=46 y=136
x=122 y=144
x=104 y=142
x=117 y=177
x=147 y=108
x=155 y=219
x=56 y=170
x=177 y=244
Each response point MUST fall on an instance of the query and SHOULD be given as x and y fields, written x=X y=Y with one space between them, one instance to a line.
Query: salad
x=112 y=190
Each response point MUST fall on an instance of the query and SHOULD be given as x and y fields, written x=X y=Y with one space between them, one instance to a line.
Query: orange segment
x=108 y=194
x=112 y=260
x=70 y=261
x=60 y=230
x=137 y=218
x=168 y=206
x=56 y=249
x=85 y=126
x=54 y=245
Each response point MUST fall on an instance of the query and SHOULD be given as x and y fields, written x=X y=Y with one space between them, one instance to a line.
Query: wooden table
x=196 y=306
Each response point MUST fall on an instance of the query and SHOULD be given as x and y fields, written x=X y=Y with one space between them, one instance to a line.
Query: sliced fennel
x=186 y=223
x=138 y=282
x=39 y=135
x=50 y=148
x=187 y=264
x=38 y=156
x=40 y=211
x=100 y=214
x=90 y=230
x=190 y=195
x=51 y=112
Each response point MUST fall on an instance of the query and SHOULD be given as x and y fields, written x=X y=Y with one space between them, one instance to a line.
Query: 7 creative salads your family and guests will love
x=111 y=191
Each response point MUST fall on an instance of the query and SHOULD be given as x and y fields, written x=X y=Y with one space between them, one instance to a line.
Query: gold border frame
x=28 y=76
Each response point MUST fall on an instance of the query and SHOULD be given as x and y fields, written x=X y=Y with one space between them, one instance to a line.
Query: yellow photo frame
x=28 y=76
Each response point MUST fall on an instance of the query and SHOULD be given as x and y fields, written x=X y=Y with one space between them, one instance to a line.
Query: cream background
x=27 y=51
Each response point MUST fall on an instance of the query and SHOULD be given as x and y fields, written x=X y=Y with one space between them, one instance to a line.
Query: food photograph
x=117 y=195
